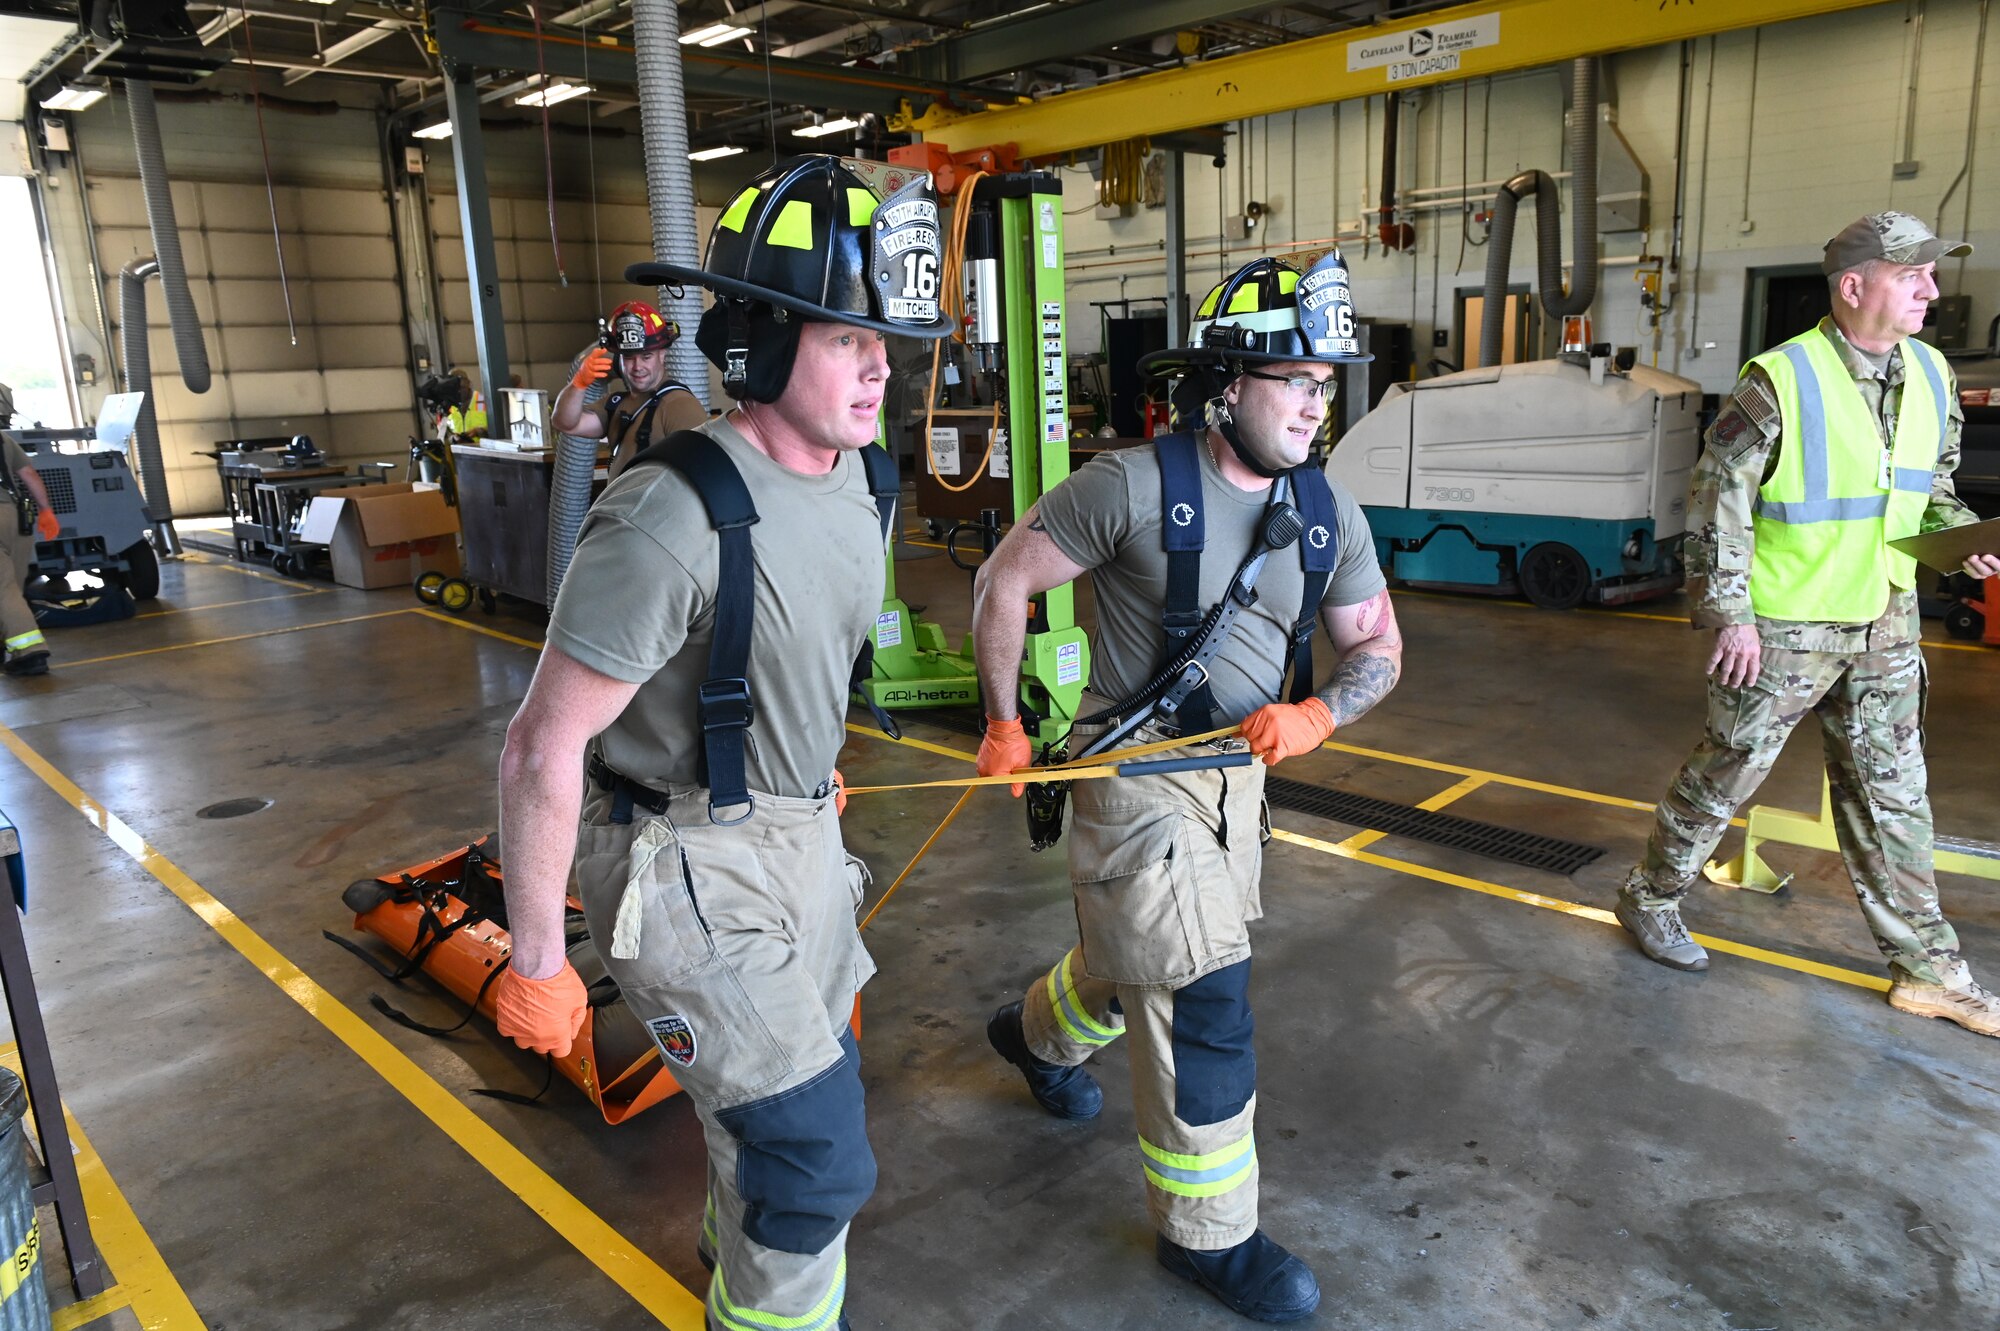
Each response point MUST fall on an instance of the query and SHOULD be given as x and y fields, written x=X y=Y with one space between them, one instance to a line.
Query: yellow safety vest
x=1825 y=517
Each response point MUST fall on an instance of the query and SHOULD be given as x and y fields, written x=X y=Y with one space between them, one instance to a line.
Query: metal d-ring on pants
x=737 y=947
x=1165 y=871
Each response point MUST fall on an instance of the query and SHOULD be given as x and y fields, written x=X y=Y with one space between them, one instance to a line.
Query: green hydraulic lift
x=1014 y=269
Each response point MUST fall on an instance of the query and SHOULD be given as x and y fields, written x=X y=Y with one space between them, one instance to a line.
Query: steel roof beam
x=1058 y=31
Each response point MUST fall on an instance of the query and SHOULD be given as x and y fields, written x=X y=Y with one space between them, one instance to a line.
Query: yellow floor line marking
x=1500 y=778
x=1582 y=912
x=457 y=623
x=238 y=637
x=1363 y=840
x=611 y=1252
x=223 y=605
x=90 y=1310
x=145 y=1283
x=1348 y=850
x=234 y=567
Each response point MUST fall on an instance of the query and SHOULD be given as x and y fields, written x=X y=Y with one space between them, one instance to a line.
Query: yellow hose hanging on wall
x=952 y=293
x=1122 y=181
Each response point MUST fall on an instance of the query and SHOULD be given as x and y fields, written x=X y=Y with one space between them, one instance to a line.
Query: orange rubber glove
x=1004 y=748
x=542 y=1015
x=839 y=793
x=46 y=525
x=595 y=366
x=1282 y=730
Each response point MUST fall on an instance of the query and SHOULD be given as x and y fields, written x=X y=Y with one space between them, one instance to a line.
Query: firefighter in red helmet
x=652 y=404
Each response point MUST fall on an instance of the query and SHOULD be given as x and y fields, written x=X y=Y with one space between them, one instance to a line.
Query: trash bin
x=24 y=1300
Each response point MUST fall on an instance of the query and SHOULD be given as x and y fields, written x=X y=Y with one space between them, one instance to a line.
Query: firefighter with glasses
x=1214 y=555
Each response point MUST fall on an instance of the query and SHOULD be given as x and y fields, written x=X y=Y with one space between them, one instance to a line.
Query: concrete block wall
x=1828 y=127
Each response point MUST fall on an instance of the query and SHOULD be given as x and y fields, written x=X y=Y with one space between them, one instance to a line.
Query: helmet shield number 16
x=905 y=257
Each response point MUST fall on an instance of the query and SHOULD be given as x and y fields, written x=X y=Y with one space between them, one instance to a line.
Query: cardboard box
x=384 y=535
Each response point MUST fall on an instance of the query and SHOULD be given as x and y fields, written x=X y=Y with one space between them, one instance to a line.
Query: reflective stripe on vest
x=1824 y=518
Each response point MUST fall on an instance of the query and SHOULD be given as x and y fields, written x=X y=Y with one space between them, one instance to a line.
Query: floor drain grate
x=233 y=808
x=1438 y=829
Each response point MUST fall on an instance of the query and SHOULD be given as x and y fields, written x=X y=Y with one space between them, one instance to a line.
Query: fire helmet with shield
x=815 y=238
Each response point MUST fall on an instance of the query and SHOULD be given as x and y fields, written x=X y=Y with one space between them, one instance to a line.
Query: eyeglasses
x=1300 y=385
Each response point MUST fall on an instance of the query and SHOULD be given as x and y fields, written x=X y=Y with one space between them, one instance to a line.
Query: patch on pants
x=1215 y=1062
x=803 y=1164
x=675 y=1037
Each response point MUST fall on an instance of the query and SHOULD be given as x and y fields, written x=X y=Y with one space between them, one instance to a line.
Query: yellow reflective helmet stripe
x=1288 y=281
x=739 y=209
x=860 y=207
x=1244 y=301
x=1209 y=303
x=794 y=227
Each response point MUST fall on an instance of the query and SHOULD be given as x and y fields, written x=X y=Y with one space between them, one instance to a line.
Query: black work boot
x=1065 y=1092
x=1256 y=1277
x=33 y=661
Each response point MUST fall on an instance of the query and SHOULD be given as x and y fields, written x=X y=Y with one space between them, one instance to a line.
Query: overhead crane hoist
x=1003 y=276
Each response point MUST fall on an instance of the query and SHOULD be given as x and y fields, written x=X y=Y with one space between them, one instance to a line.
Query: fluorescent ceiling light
x=715 y=34
x=73 y=98
x=710 y=154
x=830 y=127
x=441 y=130
x=560 y=92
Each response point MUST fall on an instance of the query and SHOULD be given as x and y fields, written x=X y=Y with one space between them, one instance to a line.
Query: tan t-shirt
x=678 y=410
x=1107 y=518
x=638 y=604
x=17 y=458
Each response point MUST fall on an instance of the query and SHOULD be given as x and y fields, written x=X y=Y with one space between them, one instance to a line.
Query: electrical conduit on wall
x=1582 y=291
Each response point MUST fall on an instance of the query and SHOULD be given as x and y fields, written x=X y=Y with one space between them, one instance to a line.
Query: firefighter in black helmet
x=698 y=667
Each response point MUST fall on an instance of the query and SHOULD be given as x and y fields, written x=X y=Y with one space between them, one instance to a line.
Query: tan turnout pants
x=1165 y=872
x=737 y=947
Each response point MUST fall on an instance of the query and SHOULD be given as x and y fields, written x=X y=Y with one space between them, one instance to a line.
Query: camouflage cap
x=1897 y=237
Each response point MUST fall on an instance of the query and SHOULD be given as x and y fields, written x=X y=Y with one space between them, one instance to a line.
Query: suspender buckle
x=725 y=704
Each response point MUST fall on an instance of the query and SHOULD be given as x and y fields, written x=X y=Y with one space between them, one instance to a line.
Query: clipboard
x=1947 y=550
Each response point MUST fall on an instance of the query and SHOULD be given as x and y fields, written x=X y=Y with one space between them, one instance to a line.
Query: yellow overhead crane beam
x=1443 y=46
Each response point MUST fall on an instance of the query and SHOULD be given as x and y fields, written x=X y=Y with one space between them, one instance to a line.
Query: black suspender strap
x=723 y=704
x=645 y=412
x=1183 y=535
x=1319 y=551
x=886 y=484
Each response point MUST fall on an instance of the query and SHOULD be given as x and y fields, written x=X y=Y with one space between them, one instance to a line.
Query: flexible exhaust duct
x=656 y=35
x=188 y=345
x=1582 y=140
x=137 y=354
x=569 y=487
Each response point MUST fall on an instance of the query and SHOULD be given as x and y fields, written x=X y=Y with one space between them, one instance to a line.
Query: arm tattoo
x=1358 y=683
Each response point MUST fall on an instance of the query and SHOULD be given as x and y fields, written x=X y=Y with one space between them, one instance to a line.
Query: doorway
x=31 y=353
x=1781 y=302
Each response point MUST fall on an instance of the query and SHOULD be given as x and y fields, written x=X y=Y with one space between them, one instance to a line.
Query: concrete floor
x=1476 y=1112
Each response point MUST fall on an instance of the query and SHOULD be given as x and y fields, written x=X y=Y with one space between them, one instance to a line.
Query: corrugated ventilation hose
x=1582 y=136
x=166 y=237
x=137 y=354
x=569 y=488
x=669 y=179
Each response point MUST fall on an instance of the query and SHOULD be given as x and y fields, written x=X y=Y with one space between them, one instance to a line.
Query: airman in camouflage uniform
x=1864 y=682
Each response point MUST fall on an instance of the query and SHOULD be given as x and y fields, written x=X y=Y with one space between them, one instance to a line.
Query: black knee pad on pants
x=803 y=1163
x=1215 y=1062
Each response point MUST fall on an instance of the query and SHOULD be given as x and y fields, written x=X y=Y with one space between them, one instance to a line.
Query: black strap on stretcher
x=724 y=707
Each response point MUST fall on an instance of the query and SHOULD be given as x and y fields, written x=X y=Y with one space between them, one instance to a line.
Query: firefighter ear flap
x=774 y=345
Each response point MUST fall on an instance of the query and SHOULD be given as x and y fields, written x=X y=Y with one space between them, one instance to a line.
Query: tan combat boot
x=1960 y=999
